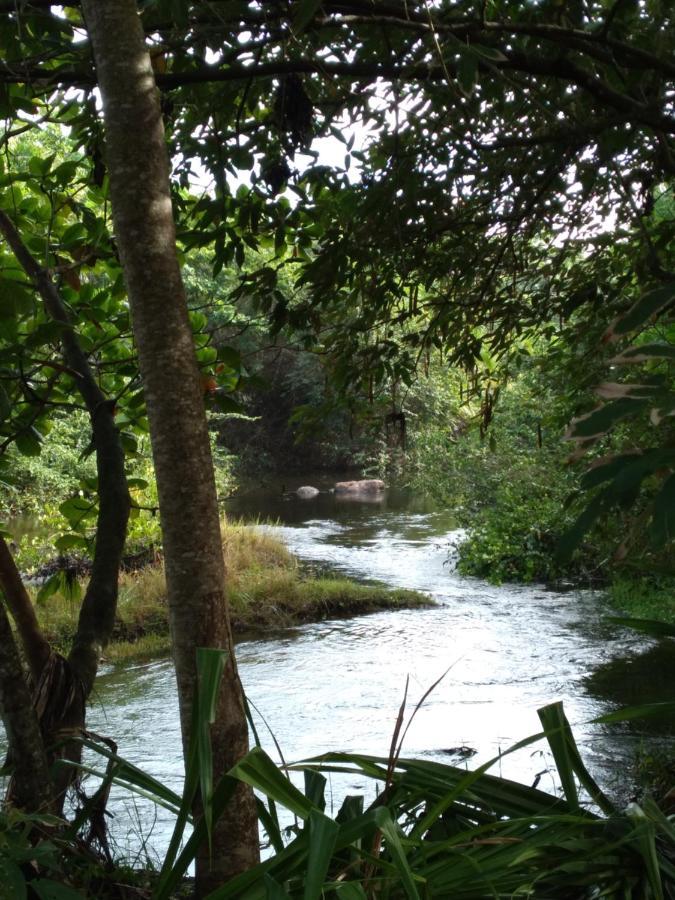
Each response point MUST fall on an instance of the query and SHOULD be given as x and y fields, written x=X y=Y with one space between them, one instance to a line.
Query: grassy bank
x=649 y=597
x=267 y=591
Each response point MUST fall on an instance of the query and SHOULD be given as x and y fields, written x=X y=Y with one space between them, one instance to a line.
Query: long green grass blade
x=323 y=833
x=198 y=770
x=273 y=890
x=395 y=847
x=555 y=725
x=349 y=890
x=210 y=666
x=259 y=771
x=567 y=756
x=644 y=839
x=662 y=709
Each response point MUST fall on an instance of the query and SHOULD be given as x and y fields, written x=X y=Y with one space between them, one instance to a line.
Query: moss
x=267 y=591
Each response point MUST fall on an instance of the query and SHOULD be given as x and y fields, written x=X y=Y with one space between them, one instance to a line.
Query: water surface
x=338 y=684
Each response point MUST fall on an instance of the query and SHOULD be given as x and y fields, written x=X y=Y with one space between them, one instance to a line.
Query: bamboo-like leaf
x=571 y=538
x=605 y=469
x=644 y=353
x=640 y=313
x=599 y=421
x=615 y=390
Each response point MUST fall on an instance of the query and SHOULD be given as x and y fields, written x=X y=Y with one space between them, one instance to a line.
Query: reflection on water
x=337 y=685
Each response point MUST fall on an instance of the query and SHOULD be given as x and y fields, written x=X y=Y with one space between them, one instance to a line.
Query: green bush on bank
x=645 y=596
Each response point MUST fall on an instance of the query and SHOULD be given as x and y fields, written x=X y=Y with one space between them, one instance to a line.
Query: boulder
x=367 y=486
x=307 y=492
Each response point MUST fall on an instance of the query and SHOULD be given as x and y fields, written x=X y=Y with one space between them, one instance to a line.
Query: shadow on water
x=646 y=677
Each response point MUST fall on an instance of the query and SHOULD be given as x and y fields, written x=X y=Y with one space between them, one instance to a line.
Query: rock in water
x=365 y=486
x=307 y=492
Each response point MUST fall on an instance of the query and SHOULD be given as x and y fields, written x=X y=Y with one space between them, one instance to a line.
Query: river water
x=338 y=684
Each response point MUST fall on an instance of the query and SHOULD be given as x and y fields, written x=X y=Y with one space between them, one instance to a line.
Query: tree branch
x=97 y=615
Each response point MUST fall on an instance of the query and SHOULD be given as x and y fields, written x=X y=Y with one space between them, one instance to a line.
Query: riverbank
x=267 y=589
x=647 y=597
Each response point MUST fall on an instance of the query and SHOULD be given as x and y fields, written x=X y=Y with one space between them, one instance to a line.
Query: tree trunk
x=30 y=787
x=35 y=645
x=138 y=167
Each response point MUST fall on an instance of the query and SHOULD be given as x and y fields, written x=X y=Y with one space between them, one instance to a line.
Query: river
x=337 y=685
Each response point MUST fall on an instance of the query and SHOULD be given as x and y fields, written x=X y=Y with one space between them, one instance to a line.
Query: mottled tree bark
x=30 y=787
x=138 y=167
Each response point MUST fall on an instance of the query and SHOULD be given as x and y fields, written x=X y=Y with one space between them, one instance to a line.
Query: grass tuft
x=267 y=591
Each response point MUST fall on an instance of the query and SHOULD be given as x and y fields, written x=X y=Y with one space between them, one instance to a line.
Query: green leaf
x=210 y=666
x=644 y=838
x=198 y=321
x=315 y=786
x=77 y=510
x=350 y=890
x=5 y=405
x=488 y=52
x=74 y=234
x=304 y=13
x=273 y=890
x=467 y=72
x=138 y=483
x=230 y=357
x=571 y=538
x=323 y=833
x=605 y=471
x=389 y=829
x=49 y=588
x=46 y=889
x=71 y=542
x=641 y=312
x=599 y=421
x=662 y=528
x=13 y=880
x=258 y=770
x=644 y=353
x=40 y=167
x=29 y=442
x=568 y=759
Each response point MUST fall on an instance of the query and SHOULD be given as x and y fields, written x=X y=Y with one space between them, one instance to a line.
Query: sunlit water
x=338 y=685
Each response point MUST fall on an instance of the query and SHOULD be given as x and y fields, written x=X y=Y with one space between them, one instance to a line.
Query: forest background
x=492 y=263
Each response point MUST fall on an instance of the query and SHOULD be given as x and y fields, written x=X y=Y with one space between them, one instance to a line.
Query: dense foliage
x=495 y=236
